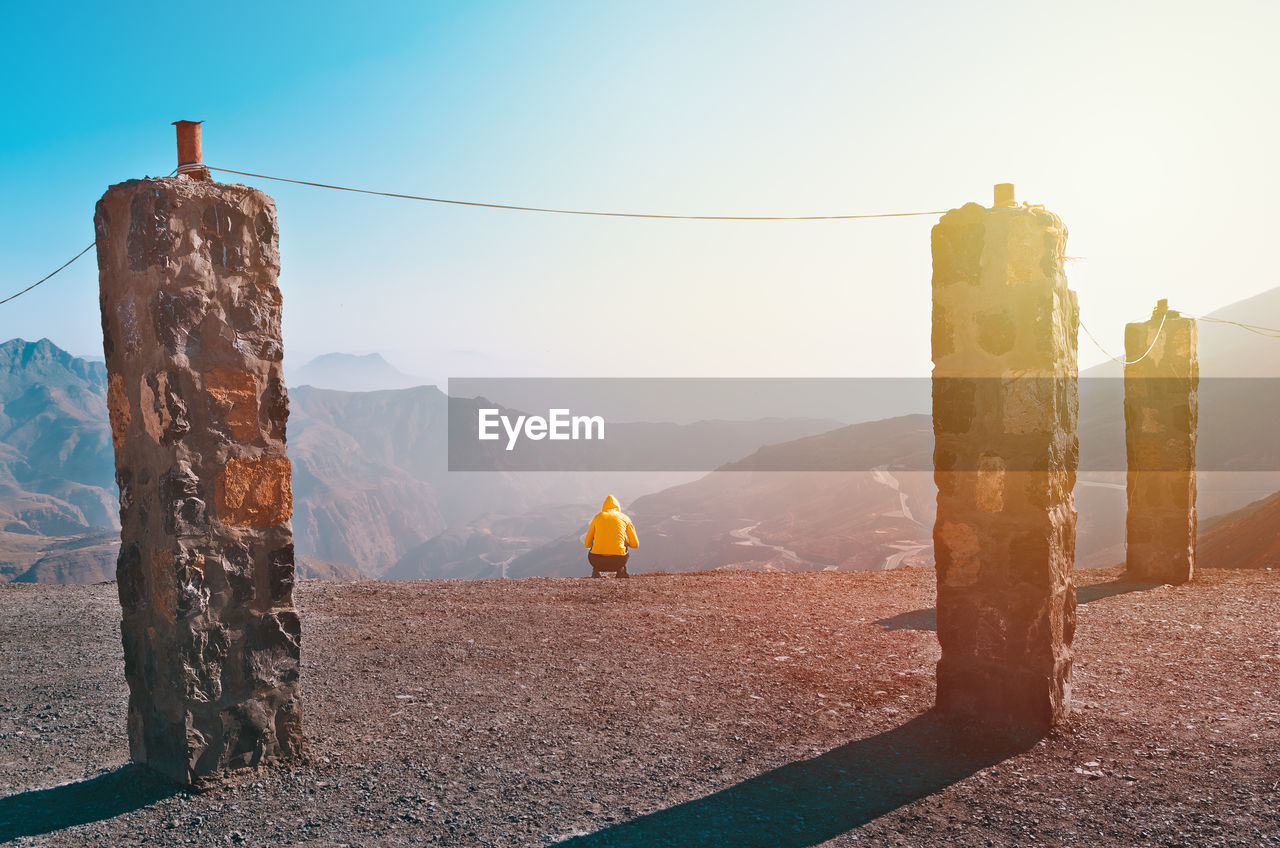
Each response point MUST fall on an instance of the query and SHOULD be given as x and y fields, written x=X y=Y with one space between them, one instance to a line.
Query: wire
x=579 y=211
x=1121 y=359
x=63 y=265
x=50 y=274
x=1163 y=318
x=1265 y=332
x=1097 y=343
x=518 y=209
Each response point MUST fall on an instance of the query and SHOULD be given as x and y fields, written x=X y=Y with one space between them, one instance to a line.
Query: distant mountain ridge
x=372 y=479
x=371 y=475
x=346 y=372
x=57 y=467
x=373 y=490
x=751 y=516
x=759 y=513
x=1246 y=538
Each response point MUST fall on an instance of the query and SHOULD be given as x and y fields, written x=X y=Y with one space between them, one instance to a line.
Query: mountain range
x=371 y=473
x=745 y=516
x=373 y=491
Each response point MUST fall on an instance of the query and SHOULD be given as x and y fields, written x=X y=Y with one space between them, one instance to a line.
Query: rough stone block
x=191 y=332
x=1161 y=409
x=1005 y=410
x=255 y=492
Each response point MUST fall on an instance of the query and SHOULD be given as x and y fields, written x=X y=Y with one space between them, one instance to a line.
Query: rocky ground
x=728 y=709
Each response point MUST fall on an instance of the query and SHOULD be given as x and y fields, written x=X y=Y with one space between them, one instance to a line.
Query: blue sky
x=1150 y=127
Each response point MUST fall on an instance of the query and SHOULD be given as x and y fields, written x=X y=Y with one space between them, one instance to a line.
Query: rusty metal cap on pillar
x=191 y=151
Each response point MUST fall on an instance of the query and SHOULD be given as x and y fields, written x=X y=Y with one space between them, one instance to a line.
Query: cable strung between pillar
x=1265 y=332
x=1256 y=329
x=1121 y=359
x=55 y=271
x=521 y=209
x=50 y=274
x=577 y=211
x=1262 y=331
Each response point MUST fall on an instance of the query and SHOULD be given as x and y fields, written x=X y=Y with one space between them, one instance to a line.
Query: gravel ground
x=725 y=709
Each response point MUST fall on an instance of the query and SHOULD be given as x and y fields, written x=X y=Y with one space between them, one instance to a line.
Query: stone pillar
x=1005 y=455
x=1161 y=381
x=191 y=332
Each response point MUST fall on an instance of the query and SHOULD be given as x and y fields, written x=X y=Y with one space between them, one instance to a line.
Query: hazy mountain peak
x=374 y=359
x=24 y=363
x=350 y=372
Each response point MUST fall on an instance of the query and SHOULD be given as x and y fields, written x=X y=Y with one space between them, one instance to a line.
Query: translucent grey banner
x=858 y=424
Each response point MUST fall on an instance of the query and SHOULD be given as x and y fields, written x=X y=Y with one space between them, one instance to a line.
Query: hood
x=610 y=503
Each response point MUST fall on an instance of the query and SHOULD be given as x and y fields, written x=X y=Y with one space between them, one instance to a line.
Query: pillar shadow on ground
x=809 y=802
x=927 y=619
x=41 y=811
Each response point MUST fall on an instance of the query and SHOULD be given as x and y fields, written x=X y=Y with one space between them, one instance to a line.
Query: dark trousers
x=608 y=562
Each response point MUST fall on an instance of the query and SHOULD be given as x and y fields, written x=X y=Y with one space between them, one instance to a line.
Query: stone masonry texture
x=1005 y=408
x=1160 y=414
x=191 y=332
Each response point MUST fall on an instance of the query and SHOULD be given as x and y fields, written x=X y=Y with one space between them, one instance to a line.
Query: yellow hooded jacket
x=611 y=532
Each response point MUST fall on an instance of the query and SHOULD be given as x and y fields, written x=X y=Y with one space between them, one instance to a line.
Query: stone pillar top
x=1163 y=346
x=1002 y=268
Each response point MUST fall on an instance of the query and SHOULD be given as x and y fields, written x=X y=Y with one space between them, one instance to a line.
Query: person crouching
x=610 y=535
